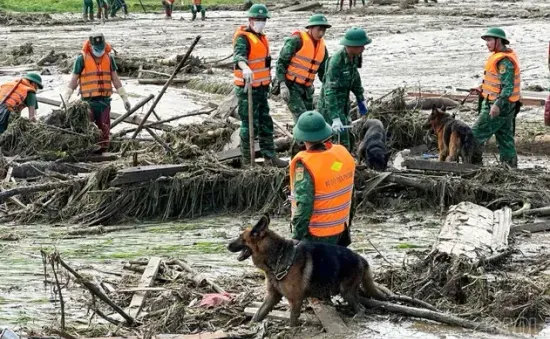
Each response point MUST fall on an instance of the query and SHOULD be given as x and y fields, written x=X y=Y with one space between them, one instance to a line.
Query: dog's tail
x=369 y=287
x=468 y=144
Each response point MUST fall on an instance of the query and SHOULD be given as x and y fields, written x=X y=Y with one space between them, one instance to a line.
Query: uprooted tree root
x=474 y=290
x=61 y=133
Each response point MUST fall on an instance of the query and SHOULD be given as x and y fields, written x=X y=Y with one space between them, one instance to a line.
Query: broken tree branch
x=96 y=291
x=131 y=111
x=197 y=277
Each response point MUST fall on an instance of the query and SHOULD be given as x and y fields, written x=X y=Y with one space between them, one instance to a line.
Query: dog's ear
x=261 y=226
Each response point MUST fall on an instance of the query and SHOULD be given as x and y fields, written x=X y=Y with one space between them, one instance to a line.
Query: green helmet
x=311 y=127
x=318 y=20
x=355 y=37
x=495 y=32
x=34 y=78
x=258 y=11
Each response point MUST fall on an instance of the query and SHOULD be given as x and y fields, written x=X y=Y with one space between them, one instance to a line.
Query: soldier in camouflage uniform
x=321 y=195
x=499 y=95
x=296 y=91
x=341 y=78
x=252 y=66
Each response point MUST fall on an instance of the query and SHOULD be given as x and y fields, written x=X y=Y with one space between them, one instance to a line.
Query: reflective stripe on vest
x=16 y=100
x=95 y=79
x=305 y=63
x=332 y=171
x=491 y=85
x=257 y=57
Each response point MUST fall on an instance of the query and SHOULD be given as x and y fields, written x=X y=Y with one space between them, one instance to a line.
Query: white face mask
x=258 y=26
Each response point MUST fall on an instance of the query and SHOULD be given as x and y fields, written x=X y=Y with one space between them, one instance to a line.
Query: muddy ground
x=434 y=47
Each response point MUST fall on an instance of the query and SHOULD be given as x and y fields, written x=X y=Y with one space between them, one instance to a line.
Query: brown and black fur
x=454 y=138
x=372 y=150
x=316 y=270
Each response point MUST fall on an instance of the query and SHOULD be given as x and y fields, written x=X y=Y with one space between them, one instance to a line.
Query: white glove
x=122 y=92
x=248 y=75
x=337 y=125
x=285 y=93
x=66 y=96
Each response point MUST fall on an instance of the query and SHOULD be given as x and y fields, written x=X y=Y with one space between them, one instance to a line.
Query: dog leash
x=280 y=275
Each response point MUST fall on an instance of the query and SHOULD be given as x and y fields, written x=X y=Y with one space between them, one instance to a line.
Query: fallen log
x=538 y=212
x=174 y=82
x=527 y=101
x=531 y=227
x=307 y=6
x=132 y=175
x=428 y=103
x=443 y=166
x=38 y=188
x=435 y=316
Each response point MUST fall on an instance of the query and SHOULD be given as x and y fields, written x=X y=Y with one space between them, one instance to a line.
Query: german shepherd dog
x=454 y=137
x=372 y=150
x=305 y=269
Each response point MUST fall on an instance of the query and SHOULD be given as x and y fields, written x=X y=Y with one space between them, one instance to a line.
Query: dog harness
x=280 y=274
x=333 y=172
x=491 y=85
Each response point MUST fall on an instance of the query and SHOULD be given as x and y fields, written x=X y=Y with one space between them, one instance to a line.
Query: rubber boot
x=275 y=162
x=105 y=12
x=194 y=16
x=99 y=12
x=203 y=15
x=91 y=16
x=85 y=16
x=513 y=163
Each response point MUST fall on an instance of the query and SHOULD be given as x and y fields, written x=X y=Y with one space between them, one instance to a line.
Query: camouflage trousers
x=194 y=11
x=263 y=124
x=301 y=99
x=502 y=127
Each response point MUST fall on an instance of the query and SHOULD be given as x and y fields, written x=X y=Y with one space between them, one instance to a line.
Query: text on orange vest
x=333 y=172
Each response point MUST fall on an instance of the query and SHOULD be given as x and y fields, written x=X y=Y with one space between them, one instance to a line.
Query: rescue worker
x=95 y=72
x=499 y=95
x=118 y=4
x=18 y=94
x=197 y=7
x=252 y=66
x=303 y=56
x=102 y=9
x=88 y=10
x=168 y=7
x=341 y=78
x=321 y=184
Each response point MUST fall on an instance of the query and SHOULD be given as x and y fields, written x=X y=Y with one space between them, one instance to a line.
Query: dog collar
x=280 y=275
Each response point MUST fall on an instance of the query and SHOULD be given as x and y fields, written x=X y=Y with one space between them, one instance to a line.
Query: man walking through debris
x=341 y=78
x=118 y=4
x=321 y=184
x=96 y=72
x=499 y=96
x=88 y=10
x=102 y=9
x=252 y=67
x=197 y=7
x=18 y=94
x=303 y=56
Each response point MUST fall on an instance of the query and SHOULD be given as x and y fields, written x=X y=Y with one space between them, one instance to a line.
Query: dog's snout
x=235 y=245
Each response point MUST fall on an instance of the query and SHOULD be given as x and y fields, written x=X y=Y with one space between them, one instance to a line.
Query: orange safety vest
x=15 y=101
x=257 y=59
x=305 y=63
x=333 y=172
x=95 y=79
x=491 y=85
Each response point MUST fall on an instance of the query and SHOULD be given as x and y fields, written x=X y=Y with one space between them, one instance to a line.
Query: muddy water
x=25 y=301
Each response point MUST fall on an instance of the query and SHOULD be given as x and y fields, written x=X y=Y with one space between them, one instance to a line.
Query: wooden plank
x=531 y=227
x=329 y=317
x=8 y=174
x=443 y=166
x=527 y=101
x=141 y=289
x=307 y=6
x=133 y=119
x=205 y=335
x=146 y=173
x=146 y=280
x=281 y=315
